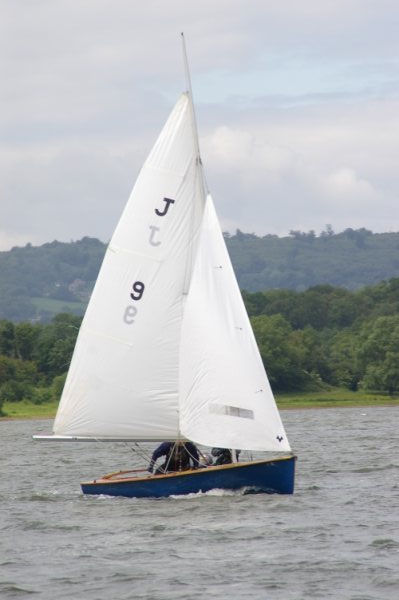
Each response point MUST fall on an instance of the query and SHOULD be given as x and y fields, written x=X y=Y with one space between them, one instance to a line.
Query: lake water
x=336 y=537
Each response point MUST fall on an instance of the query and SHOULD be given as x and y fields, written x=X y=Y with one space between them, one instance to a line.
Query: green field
x=323 y=399
x=54 y=307
x=28 y=410
x=335 y=397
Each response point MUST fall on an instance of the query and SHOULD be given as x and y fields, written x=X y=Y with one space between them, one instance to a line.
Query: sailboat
x=166 y=351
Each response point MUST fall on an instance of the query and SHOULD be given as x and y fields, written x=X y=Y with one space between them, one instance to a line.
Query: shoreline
x=338 y=404
x=20 y=411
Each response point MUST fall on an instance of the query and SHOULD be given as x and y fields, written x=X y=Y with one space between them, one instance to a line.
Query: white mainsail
x=166 y=348
x=123 y=378
x=225 y=396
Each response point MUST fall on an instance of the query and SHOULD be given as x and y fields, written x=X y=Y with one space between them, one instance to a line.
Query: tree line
x=329 y=336
x=34 y=358
x=323 y=336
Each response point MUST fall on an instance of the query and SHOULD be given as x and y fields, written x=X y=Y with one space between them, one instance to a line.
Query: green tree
x=343 y=359
x=26 y=336
x=378 y=353
x=383 y=375
x=57 y=386
x=41 y=395
x=12 y=391
x=7 y=338
x=7 y=369
x=313 y=353
x=283 y=360
x=55 y=345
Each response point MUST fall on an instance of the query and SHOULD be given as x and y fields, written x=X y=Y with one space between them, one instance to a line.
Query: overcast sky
x=297 y=104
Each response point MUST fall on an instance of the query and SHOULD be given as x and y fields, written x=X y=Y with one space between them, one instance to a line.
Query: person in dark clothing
x=223 y=456
x=178 y=457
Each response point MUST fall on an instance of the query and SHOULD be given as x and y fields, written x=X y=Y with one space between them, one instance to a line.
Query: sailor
x=179 y=456
x=223 y=456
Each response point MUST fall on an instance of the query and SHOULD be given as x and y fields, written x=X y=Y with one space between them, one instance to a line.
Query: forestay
x=225 y=396
x=123 y=378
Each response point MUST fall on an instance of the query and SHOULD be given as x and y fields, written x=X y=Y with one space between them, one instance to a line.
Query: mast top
x=190 y=96
x=186 y=67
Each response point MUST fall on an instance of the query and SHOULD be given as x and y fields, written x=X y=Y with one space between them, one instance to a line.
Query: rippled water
x=336 y=537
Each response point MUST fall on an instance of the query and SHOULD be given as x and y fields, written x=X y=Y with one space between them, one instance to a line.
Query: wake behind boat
x=166 y=350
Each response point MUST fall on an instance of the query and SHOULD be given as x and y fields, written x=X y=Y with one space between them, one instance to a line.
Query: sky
x=297 y=105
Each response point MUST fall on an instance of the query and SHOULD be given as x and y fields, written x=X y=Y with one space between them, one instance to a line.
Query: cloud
x=345 y=183
x=305 y=167
x=297 y=106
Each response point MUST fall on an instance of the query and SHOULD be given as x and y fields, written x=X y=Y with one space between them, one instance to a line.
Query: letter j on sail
x=168 y=202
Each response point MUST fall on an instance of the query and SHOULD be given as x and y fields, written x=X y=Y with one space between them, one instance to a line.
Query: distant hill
x=352 y=259
x=38 y=282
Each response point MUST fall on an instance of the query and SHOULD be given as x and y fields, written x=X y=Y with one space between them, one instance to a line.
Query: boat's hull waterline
x=275 y=476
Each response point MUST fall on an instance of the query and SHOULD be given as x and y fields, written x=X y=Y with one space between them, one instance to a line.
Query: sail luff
x=199 y=171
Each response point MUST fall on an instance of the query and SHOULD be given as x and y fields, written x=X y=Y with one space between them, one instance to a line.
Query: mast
x=190 y=96
x=199 y=168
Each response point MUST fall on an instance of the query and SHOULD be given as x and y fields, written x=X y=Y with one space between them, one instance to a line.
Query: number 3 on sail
x=210 y=386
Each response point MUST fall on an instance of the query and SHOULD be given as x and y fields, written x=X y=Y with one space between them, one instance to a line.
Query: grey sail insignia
x=153 y=234
x=233 y=411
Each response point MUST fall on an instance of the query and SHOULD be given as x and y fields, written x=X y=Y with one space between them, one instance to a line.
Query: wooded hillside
x=351 y=259
x=39 y=282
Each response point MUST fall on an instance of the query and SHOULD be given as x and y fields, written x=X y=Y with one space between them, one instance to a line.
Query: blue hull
x=268 y=476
